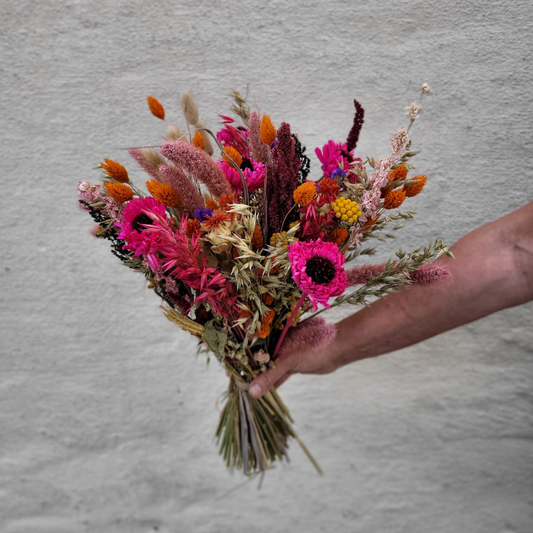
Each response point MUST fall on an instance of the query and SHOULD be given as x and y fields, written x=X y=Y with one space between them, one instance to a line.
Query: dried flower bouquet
x=243 y=248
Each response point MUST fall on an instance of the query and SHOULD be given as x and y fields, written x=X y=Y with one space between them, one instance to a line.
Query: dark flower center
x=320 y=269
x=142 y=218
x=246 y=163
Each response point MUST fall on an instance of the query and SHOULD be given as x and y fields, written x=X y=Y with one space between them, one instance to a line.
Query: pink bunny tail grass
x=149 y=166
x=174 y=177
x=427 y=274
x=314 y=332
x=254 y=137
x=197 y=163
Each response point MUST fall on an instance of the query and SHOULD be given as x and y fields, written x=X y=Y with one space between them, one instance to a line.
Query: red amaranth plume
x=282 y=182
x=358 y=121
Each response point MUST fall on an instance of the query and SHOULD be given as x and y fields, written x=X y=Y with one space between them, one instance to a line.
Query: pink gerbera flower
x=138 y=213
x=317 y=269
x=254 y=175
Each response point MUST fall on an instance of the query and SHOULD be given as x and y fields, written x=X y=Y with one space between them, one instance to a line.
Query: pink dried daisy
x=317 y=269
x=254 y=176
x=333 y=156
x=138 y=213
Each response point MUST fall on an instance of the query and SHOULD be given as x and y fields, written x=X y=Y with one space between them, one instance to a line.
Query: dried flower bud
x=190 y=110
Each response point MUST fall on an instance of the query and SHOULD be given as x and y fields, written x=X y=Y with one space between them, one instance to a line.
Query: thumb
x=262 y=383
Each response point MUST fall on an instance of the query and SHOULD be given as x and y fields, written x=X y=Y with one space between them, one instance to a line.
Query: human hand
x=303 y=351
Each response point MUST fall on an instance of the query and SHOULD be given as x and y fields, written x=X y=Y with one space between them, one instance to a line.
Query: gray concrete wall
x=107 y=415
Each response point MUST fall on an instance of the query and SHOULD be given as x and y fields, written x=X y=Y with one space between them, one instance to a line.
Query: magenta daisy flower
x=138 y=213
x=253 y=171
x=317 y=269
x=333 y=156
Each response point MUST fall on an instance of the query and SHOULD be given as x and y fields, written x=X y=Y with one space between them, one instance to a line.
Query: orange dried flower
x=218 y=218
x=193 y=226
x=163 y=193
x=415 y=188
x=267 y=131
x=115 y=171
x=234 y=154
x=257 y=239
x=269 y=316
x=264 y=330
x=304 y=194
x=119 y=192
x=338 y=236
x=198 y=140
x=273 y=270
x=245 y=313
x=399 y=173
x=394 y=199
x=211 y=203
x=329 y=186
x=370 y=223
x=156 y=107
x=224 y=201
x=267 y=298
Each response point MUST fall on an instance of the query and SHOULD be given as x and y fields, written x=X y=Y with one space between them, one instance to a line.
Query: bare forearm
x=492 y=270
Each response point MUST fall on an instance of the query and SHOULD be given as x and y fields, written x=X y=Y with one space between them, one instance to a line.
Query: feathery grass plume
x=149 y=160
x=283 y=180
x=426 y=274
x=267 y=130
x=156 y=107
x=239 y=107
x=119 y=192
x=198 y=141
x=254 y=137
x=174 y=177
x=190 y=109
x=415 y=188
x=173 y=133
x=353 y=136
x=198 y=164
x=115 y=171
x=208 y=145
x=394 y=199
x=164 y=193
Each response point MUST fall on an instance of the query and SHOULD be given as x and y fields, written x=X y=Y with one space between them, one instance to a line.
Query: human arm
x=492 y=270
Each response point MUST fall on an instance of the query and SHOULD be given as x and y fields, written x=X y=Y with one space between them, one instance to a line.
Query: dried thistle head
x=190 y=110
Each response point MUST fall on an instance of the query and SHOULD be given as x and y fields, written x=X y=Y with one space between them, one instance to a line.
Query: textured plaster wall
x=107 y=415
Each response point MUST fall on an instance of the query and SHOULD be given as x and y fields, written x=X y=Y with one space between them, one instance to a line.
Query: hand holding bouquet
x=244 y=248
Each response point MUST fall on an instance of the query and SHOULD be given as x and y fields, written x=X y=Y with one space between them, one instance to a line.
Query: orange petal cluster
x=198 y=140
x=234 y=154
x=338 y=236
x=304 y=194
x=264 y=330
x=224 y=200
x=163 y=193
x=211 y=203
x=119 y=192
x=394 y=199
x=156 y=107
x=267 y=131
x=115 y=171
x=399 y=173
x=267 y=298
x=329 y=186
x=193 y=227
x=415 y=188
x=257 y=239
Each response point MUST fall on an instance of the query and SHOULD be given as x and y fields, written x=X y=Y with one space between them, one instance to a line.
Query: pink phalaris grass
x=198 y=164
x=283 y=180
x=314 y=332
x=427 y=274
x=174 y=177
x=358 y=121
x=143 y=162
x=259 y=151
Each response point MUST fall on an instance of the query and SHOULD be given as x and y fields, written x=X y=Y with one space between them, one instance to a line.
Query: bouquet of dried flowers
x=242 y=247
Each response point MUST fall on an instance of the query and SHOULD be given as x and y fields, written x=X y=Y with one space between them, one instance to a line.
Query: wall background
x=106 y=413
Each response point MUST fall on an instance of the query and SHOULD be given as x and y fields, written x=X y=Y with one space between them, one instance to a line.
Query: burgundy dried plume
x=283 y=179
x=358 y=121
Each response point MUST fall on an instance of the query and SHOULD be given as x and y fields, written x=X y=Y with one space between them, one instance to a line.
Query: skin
x=492 y=270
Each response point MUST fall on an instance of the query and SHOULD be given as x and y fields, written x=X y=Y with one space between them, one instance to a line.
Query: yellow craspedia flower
x=304 y=194
x=347 y=210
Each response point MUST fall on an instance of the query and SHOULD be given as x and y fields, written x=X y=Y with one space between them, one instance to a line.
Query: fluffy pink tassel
x=314 y=332
x=197 y=163
x=254 y=137
x=174 y=177
x=137 y=154
x=425 y=275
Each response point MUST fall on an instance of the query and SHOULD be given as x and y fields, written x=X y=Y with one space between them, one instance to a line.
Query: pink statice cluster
x=92 y=195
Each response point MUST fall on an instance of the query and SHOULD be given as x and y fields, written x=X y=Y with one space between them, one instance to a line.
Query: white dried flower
x=413 y=111
x=426 y=89
x=84 y=185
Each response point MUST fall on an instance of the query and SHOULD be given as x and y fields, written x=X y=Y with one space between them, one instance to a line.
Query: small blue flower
x=338 y=173
x=202 y=213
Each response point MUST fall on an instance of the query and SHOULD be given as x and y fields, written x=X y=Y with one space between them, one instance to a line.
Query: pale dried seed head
x=153 y=158
x=173 y=133
x=190 y=110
